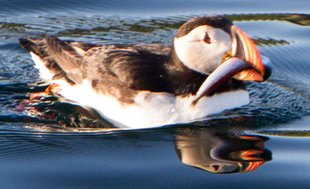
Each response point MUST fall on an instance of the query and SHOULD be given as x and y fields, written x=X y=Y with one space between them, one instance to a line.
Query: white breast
x=152 y=109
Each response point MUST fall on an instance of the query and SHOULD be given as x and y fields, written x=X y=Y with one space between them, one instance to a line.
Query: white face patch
x=198 y=55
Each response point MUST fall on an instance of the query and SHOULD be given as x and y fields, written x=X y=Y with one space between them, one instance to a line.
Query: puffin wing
x=137 y=69
x=132 y=67
x=65 y=55
x=62 y=60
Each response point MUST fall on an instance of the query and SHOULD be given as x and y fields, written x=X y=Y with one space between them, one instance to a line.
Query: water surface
x=48 y=144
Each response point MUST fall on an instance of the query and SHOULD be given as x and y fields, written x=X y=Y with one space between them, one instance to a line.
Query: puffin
x=143 y=86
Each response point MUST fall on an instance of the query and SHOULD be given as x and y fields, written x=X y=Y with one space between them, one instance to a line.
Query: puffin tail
x=54 y=58
x=28 y=45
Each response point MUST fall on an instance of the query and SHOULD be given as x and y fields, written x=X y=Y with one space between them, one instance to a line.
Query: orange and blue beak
x=243 y=47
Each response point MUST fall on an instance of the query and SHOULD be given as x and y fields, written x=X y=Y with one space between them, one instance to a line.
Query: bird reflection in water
x=218 y=152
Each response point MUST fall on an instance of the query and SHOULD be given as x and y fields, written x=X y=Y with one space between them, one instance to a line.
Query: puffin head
x=203 y=43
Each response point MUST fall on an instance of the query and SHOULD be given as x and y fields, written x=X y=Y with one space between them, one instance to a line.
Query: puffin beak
x=244 y=48
x=220 y=75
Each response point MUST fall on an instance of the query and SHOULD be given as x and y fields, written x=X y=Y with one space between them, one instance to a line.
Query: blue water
x=263 y=145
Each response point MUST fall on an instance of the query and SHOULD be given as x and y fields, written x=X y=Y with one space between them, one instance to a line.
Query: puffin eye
x=207 y=39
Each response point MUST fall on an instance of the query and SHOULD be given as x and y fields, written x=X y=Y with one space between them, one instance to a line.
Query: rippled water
x=48 y=144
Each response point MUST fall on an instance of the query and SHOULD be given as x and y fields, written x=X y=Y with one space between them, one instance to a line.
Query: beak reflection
x=221 y=153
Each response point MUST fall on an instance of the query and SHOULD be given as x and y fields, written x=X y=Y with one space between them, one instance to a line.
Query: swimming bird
x=142 y=86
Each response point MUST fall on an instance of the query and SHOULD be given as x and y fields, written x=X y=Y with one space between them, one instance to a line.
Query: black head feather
x=214 y=21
